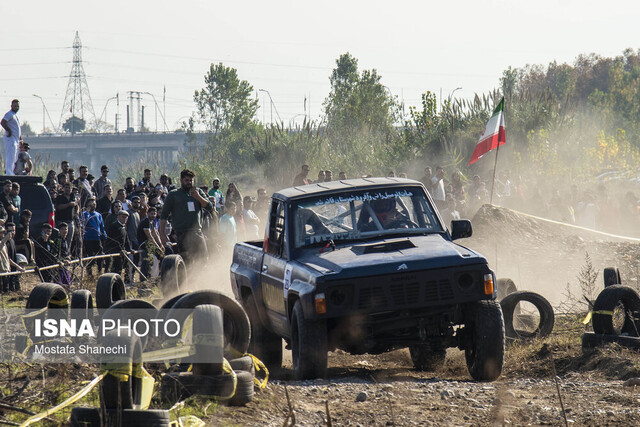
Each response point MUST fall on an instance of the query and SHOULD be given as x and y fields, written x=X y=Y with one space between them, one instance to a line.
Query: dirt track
x=539 y=256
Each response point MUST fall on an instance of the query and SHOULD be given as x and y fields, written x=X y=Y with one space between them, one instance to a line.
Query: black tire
x=49 y=295
x=426 y=357
x=147 y=418
x=244 y=363
x=168 y=304
x=547 y=317
x=135 y=309
x=309 y=345
x=244 y=389
x=265 y=345
x=207 y=322
x=484 y=353
x=181 y=385
x=116 y=394
x=591 y=341
x=82 y=305
x=611 y=299
x=611 y=276
x=109 y=289
x=173 y=274
x=505 y=287
x=85 y=417
x=237 y=331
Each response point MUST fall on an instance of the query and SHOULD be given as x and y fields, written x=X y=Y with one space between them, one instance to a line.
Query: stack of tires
x=615 y=315
x=224 y=325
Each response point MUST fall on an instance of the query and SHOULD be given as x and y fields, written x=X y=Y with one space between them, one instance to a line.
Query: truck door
x=273 y=267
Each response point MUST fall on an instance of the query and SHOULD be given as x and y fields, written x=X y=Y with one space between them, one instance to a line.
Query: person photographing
x=184 y=205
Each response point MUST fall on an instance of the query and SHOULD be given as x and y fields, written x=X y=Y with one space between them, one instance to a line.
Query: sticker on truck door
x=287 y=279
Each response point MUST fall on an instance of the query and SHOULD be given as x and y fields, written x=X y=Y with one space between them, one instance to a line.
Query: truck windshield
x=359 y=215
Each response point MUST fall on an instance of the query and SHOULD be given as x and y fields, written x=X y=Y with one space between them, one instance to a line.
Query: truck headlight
x=488 y=284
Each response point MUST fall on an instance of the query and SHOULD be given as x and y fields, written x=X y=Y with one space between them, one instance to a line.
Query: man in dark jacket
x=117 y=240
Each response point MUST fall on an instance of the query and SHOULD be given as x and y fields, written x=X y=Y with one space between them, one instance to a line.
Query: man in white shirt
x=12 y=136
x=437 y=185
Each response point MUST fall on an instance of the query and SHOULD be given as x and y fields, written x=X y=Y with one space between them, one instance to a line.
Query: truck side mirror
x=460 y=229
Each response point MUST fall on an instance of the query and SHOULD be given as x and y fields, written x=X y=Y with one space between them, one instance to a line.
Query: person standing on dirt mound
x=184 y=205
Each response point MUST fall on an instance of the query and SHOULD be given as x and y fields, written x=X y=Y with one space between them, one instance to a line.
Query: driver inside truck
x=385 y=212
x=307 y=217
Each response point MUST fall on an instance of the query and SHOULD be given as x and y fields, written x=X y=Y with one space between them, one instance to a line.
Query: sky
x=287 y=49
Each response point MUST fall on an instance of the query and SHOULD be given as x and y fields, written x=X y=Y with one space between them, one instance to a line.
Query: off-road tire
x=237 y=331
x=82 y=416
x=109 y=289
x=611 y=276
x=116 y=394
x=173 y=274
x=426 y=357
x=147 y=418
x=82 y=305
x=547 y=317
x=505 y=287
x=50 y=295
x=135 y=309
x=609 y=299
x=485 y=350
x=265 y=345
x=207 y=319
x=309 y=345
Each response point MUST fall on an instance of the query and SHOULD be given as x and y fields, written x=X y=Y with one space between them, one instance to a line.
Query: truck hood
x=385 y=256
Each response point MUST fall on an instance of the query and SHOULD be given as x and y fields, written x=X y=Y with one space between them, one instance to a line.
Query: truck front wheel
x=265 y=345
x=485 y=349
x=308 y=345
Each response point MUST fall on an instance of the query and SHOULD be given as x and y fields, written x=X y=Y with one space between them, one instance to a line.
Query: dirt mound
x=545 y=256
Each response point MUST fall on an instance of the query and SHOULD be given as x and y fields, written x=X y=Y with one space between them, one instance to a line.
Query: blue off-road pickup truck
x=367 y=266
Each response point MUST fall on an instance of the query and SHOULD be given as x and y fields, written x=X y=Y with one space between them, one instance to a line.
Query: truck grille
x=404 y=294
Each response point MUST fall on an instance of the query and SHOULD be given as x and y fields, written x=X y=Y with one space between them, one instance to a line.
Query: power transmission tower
x=77 y=101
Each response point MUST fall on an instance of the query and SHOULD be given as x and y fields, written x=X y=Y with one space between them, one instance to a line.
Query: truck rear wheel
x=264 y=344
x=485 y=350
x=426 y=357
x=308 y=345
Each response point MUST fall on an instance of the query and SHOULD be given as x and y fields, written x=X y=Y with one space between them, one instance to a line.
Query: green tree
x=359 y=114
x=74 y=125
x=225 y=101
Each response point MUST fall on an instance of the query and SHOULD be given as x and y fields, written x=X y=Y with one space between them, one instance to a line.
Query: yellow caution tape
x=226 y=367
x=148 y=382
x=259 y=366
x=34 y=313
x=122 y=371
x=590 y=314
x=79 y=395
x=62 y=303
x=179 y=352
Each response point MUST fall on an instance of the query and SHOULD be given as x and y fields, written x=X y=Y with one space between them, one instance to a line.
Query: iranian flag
x=493 y=135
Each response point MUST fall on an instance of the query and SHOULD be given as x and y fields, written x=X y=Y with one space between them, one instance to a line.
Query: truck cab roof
x=304 y=191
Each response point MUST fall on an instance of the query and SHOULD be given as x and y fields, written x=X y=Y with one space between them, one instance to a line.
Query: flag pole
x=495 y=165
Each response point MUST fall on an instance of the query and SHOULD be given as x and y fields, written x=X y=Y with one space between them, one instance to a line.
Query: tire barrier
x=208 y=338
x=591 y=340
x=171 y=301
x=109 y=289
x=85 y=417
x=173 y=274
x=179 y=386
x=514 y=318
x=615 y=311
x=147 y=418
x=237 y=332
x=46 y=300
x=244 y=363
x=121 y=387
x=135 y=309
x=611 y=276
x=82 y=305
x=505 y=287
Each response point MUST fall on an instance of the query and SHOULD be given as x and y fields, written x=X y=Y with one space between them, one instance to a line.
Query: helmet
x=21 y=259
x=383 y=205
